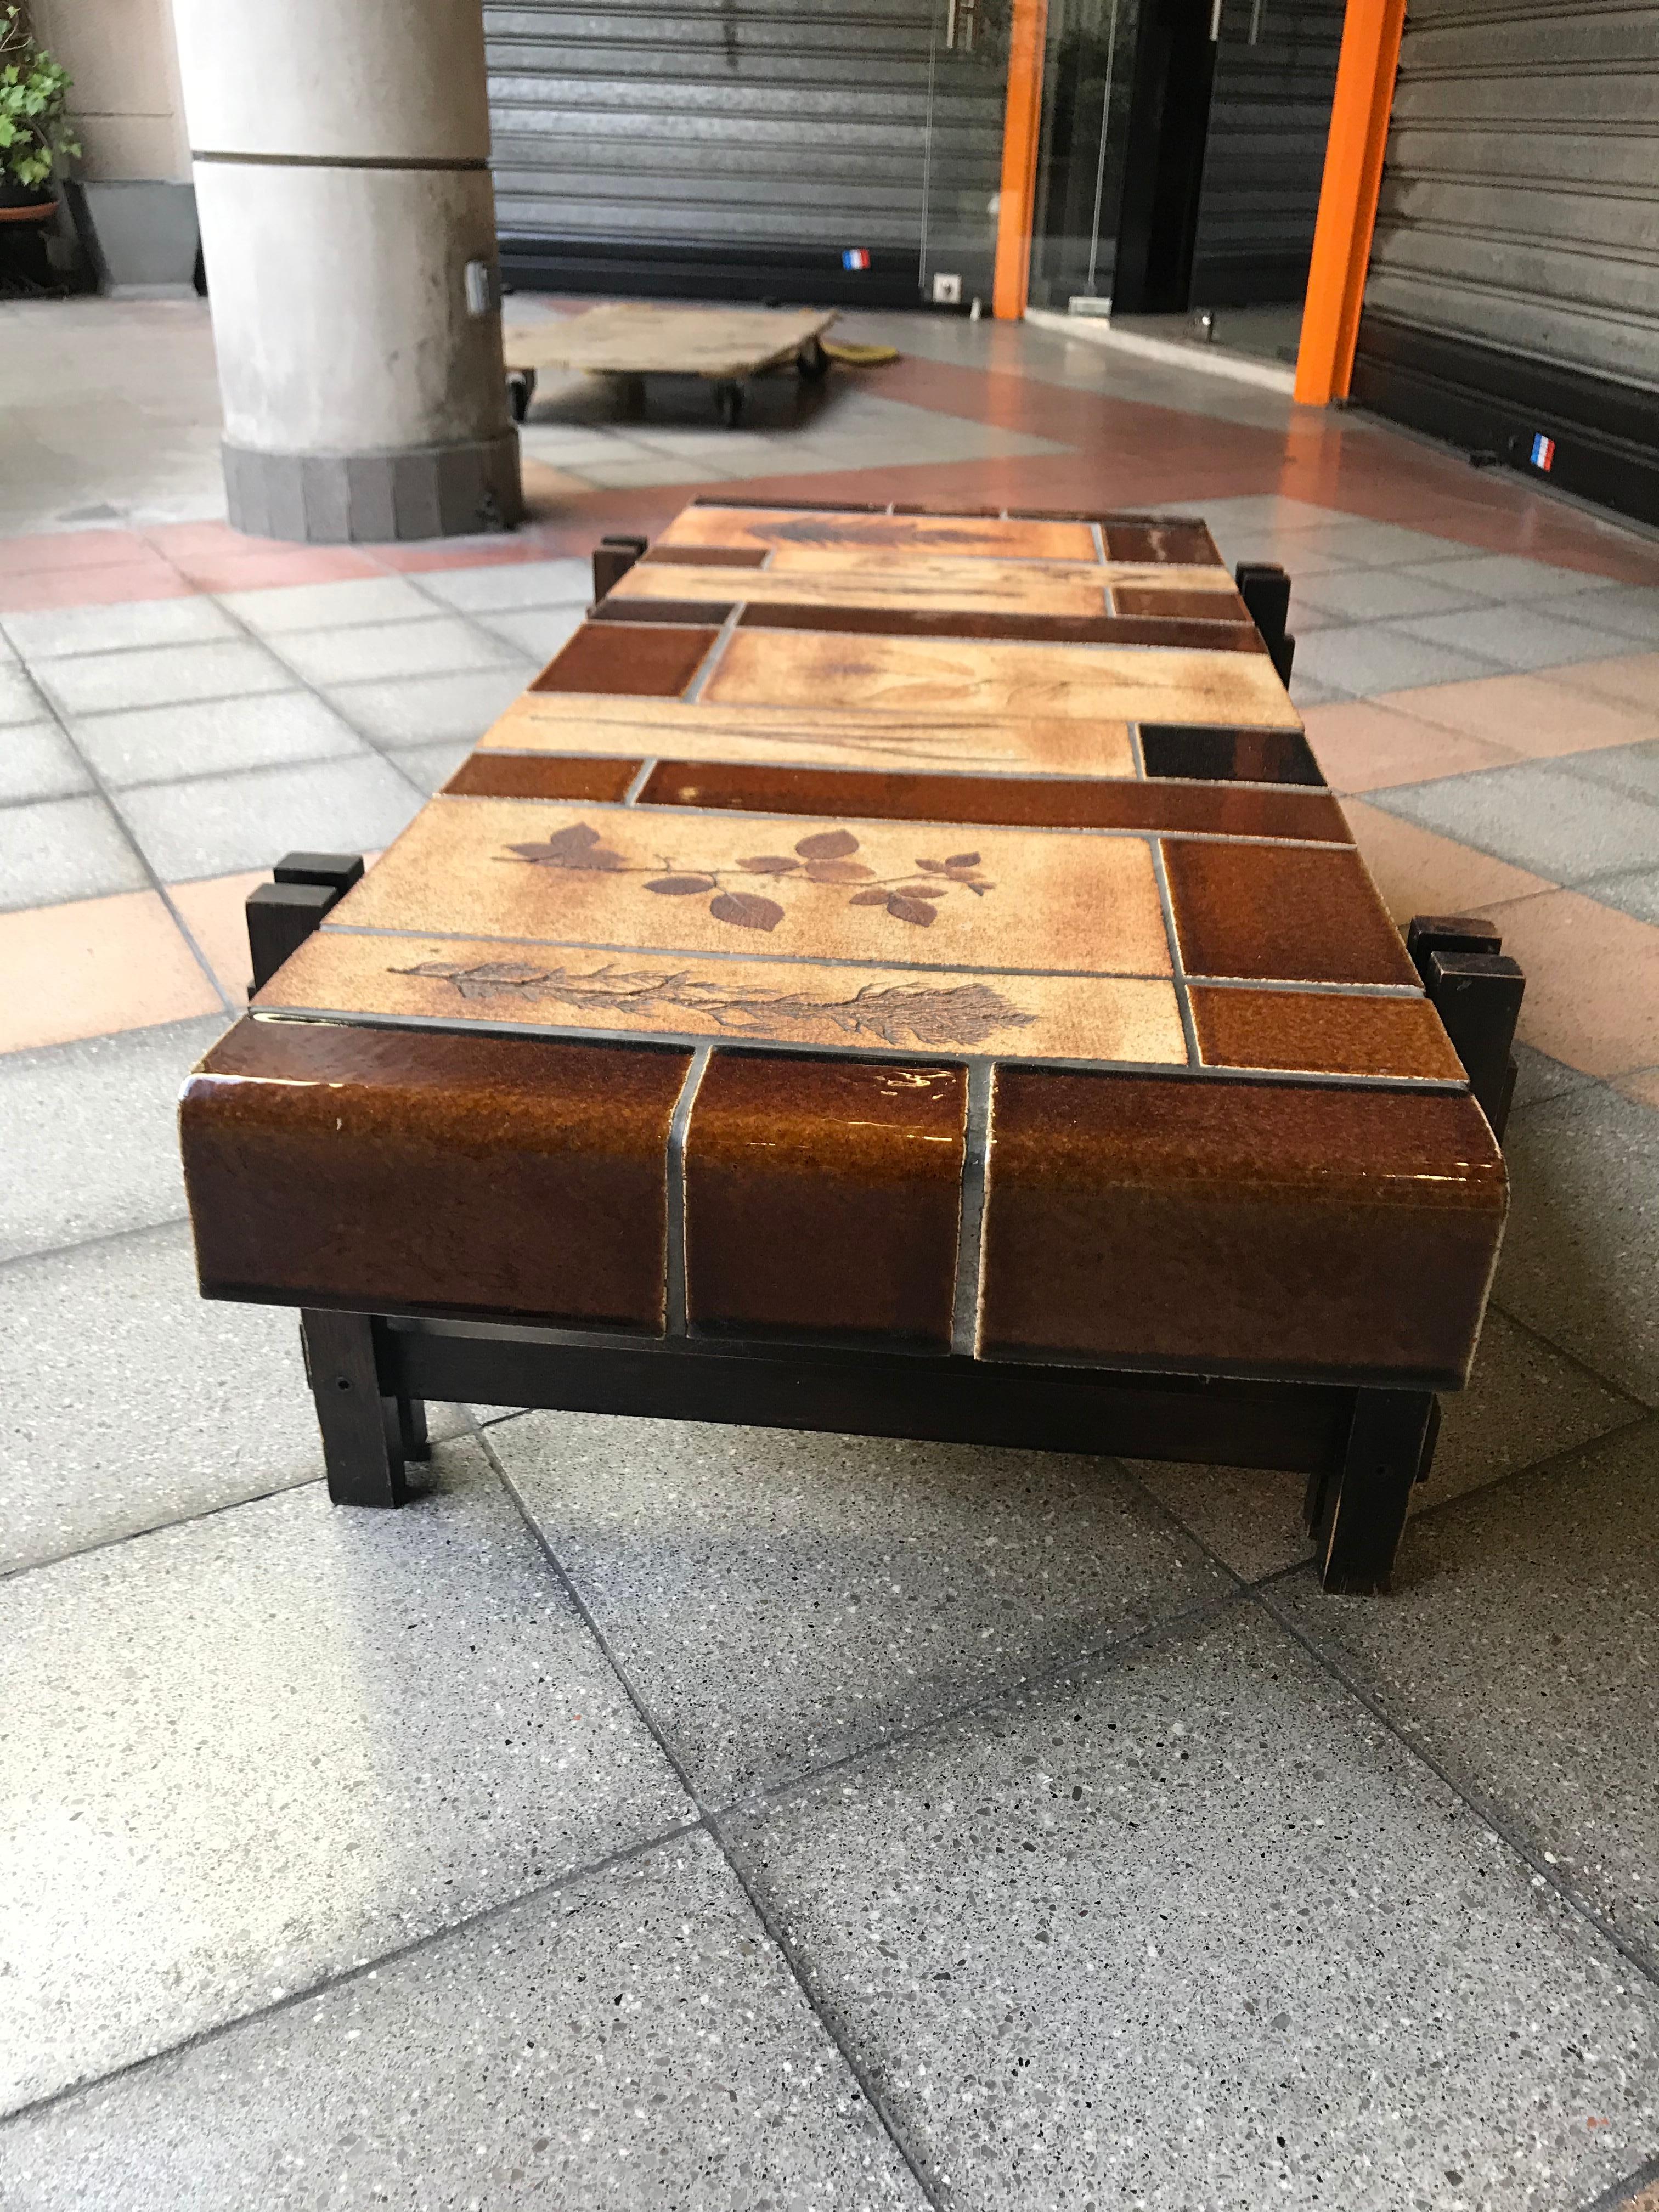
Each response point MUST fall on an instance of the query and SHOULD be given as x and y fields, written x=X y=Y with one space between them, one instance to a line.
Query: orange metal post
x=1022 y=122
x=1347 y=199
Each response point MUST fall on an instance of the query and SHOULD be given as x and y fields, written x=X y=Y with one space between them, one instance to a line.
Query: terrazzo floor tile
x=1515 y=637
x=211 y=737
x=419 y=710
x=52 y=849
x=781 y=1598
x=1419 y=872
x=1635 y=893
x=1521 y=1647
x=1541 y=818
x=1580 y=1263
x=217 y=823
x=37 y=761
x=91 y=1135
x=328 y=606
x=507 y=587
x=1630 y=677
x=1592 y=997
x=89 y=967
x=1538 y=716
x=160 y=676
x=401 y=1723
x=1538 y=1077
x=19 y=699
x=632 y=2039
x=427 y=767
x=55 y=631
x=1524 y=1403
x=538 y=631
x=1629 y=610
x=1382 y=595
x=1362 y=745
x=1632 y=768
x=1371 y=657
x=442 y=645
x=189 y=1403
x=1199 y=1931
x=1505 y=575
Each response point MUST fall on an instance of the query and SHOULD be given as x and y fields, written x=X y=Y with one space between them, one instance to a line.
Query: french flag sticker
x=1543 y=452
x=855 y=256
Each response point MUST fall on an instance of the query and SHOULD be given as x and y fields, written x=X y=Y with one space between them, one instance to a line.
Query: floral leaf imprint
x=960 y=1014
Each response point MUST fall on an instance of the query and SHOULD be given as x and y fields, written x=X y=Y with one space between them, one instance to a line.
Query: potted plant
x=34 y=128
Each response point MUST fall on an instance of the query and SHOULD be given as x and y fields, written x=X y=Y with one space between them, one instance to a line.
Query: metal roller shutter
x=1270 y=113
x=737 y=151
x=1513 y=298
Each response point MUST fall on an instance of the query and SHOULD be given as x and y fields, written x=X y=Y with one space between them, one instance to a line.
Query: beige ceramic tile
x=215 y=911
x=1419 y=872
x=94 y=966
x=1362 y=745
x=814 y=736
x=1537 y=717
x=1592 y=995
x=649 y=879
x=755 y=1000
x=919 y=533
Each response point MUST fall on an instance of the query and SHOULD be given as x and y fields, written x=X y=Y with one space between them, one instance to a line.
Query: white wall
x=125 y=102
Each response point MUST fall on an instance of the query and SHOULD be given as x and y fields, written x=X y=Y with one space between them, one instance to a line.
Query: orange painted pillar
x=1021 y=127
x=1347 y=199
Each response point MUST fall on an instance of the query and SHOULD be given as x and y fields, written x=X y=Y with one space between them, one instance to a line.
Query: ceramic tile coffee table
x=893 y=972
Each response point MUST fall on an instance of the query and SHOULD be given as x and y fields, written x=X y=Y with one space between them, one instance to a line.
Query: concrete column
x=340 y=150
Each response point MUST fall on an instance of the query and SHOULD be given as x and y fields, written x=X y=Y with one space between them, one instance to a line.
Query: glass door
x=962 y=152
x=1087 y=86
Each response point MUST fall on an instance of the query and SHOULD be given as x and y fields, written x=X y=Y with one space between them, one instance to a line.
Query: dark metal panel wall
x=1514 y=285
x=1270 y=112
x=744 y=145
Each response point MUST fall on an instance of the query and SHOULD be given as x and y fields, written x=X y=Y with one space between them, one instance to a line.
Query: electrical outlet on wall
x=947 y=290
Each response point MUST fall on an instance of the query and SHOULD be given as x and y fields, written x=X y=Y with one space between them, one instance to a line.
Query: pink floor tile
x=155 y=579
x=50 y=550
x=1592 y=981
x=94 y=966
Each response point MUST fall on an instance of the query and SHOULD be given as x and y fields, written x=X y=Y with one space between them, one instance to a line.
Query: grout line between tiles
x=677 y=1289
x=785 y=1949
x=1178 y=973
x=14 y=1573
x=1621 y=2196
x=104 y=1236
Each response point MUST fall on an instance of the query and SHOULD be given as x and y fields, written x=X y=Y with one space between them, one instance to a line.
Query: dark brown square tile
x=379 y=1169
x=1225 y=1226
x=1323 y=1033
x=822 y=1197
x=1177 y=605
x=1178 y=543
x=1285 y=914
x=540 y=775
x=642 y=660
x=1228 y=756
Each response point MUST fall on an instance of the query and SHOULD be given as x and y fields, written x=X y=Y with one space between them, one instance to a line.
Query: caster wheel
x=520 y=391
x=812 y=362
x=728 y=403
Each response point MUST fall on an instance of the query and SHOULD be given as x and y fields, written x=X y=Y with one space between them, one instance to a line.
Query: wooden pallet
x=726 y=346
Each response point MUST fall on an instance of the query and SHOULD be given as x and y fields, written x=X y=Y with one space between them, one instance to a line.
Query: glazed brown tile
x=734 y=524
x=1014 y=629
x=1173 y=605
x=1186 y=544
x=707 y=556
x=1047 y=802
x=639 y=660
x=1228 y=756
x=705 y=614
x=1282 y=914
x=821 y=1198
x=540 y=775
x=1323 y=1033
x=380 y=1169
x=826 y=577
x=1231 y=1227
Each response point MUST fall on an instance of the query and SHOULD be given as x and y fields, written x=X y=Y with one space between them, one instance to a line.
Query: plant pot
x=140 y=237
x=25 y=204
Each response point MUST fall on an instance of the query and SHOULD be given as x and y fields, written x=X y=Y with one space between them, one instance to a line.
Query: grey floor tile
x=55 y=631
x=162 y=675
x=538 y=631
x=37 y=761
x=1381 y=595
x=55 y=849
x=89 y=1134
x=19 y=699
x=261 y=1747
x=219 y=824
x=1519 y=1646
x=1505 y=576
x=1383 y=543
x=419 y=710
x=1538 y=1077
x=1580 y=1263
x=441 y=645
x=1373 y=657
x=428 y=766
x=1524 y=1403
x=780 y=1599
x=212 y=737
x=328 y=606
x=1307 y=691
x=505 y=587
x=631 y=2040
x=1634 y=768
x=1537 y=814
x=1636 y=893
x=1518 y=637
x=189 y=1404
x=1629 y=609
x=1199 y=1932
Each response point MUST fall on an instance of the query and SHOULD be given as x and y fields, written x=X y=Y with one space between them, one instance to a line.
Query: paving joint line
x=1619 y=2198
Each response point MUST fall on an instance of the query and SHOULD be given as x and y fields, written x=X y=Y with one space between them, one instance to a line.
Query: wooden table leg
x=1356 y=1511
x=366 y=1432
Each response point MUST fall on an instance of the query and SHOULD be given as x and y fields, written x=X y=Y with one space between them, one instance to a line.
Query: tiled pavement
x=670 y=1816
